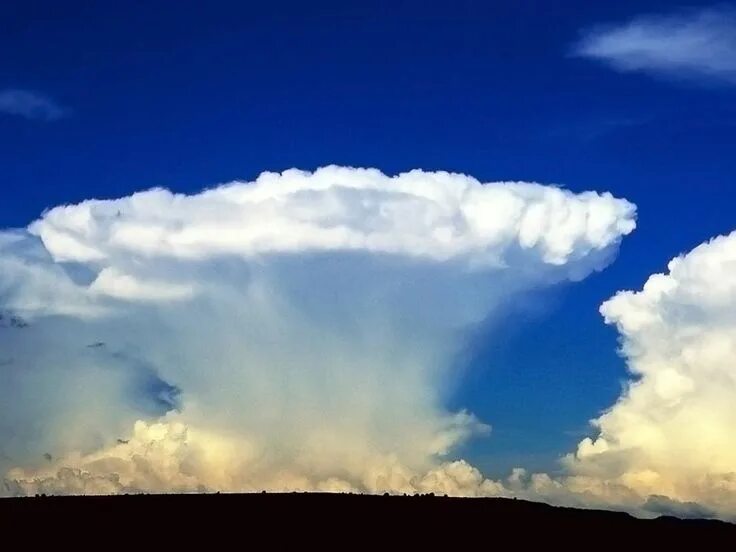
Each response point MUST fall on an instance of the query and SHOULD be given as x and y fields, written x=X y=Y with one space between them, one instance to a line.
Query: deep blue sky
x=188 y=94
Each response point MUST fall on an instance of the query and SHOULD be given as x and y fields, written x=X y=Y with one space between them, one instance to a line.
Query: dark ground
x=306 y=519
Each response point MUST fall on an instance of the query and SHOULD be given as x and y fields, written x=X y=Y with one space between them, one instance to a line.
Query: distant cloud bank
x=691 y=44
x=30 y=105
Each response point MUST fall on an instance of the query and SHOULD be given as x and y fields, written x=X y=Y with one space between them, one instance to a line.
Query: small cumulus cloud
x=694 y=44
x=30 y=105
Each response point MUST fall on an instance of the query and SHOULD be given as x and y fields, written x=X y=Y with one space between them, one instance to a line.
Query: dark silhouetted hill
x=343 y=520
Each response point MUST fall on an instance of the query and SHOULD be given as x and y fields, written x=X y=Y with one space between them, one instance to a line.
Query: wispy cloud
x=687 y=44
x=30 y=105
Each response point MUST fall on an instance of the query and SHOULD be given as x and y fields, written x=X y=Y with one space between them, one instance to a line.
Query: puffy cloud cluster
x=436 y=216
x=667 y=446
x=168 y=456
x=672 y=431
x=298 y=331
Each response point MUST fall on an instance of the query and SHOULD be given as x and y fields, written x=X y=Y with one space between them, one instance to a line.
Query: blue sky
x=100 y=100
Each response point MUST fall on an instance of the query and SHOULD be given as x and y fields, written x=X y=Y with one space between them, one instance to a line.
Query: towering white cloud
x=672 y=431
x=667 y=446
x=687 y=44
x=298 y=331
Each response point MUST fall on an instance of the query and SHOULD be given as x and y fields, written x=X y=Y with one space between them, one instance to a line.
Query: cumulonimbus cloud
x=295 y=332
x=299 y=332
x=688 y=44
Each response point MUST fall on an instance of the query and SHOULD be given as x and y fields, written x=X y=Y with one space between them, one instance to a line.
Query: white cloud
x=671 y=433
x=171 y=457
x=110 y=281
x=30 y=105
x=691 y=44
x=302 y=358
x=298 y=331
x=434 y=216
x=667 y=445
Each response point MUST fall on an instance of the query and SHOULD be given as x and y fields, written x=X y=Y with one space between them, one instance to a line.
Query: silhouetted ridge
x=297 y=516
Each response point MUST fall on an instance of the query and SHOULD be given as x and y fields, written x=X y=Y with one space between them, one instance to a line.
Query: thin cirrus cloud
x=30 y=105
x=693 y=45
